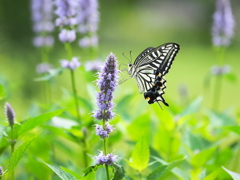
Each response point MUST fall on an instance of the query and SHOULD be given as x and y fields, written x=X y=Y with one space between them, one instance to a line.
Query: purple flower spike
x=223 y=23
x=107 y=83
x=10 y=114
x=67 y=35
x=104 y=133
x=72 y=65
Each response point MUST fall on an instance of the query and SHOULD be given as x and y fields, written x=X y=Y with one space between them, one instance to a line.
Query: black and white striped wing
x=154 y=59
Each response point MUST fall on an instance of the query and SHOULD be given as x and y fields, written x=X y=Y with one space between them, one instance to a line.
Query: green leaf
x=90 y=169
x=213 y=175
x=36 y=121
x=234 y=175
x=163 y=170
x=235 y=129
x=51 y=74
x=231 y=77
x=61 y=173
x=140 y=155
x=2 y=92
x=119 y=172
x=192 y=108
x=202 y=157
x=17 y=154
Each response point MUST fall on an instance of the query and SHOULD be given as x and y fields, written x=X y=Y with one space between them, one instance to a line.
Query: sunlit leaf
x=17 y=154
x=192 y=108
x=2 y=91
x=235 y=129
x=234 y=175
x=61 y=173
x=36 y=121
x=202 y=157
x=164 y=169
x=140 y=155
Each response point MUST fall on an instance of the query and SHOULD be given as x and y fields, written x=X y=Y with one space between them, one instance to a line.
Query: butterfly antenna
x=130 y=56
x=126 y=57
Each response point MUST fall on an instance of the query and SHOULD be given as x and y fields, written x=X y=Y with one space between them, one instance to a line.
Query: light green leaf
x=2 y=92
x=17 y=154
x=234 y=175
x=164 y=169
x=235 y=129
x=193 y=107
x=36 y=121
x=202 y=157
x=213 y=175
x=119 y=172
x=140 y=155
x=61 y=173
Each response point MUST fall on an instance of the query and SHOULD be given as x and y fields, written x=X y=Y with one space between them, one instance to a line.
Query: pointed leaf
x=51 y=74
x=234 y=175
x=163 y=170
x=192 y=108
x=2 y=92
x=36 y=121
x=61 y=173
x=17 y=154
x=90 y=169
x=140 y=155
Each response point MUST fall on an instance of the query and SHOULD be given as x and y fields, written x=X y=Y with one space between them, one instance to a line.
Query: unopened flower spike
x=10 y=114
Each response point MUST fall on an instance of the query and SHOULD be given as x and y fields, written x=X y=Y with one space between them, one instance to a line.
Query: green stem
x=69 y=50
x=105 y=151
x=12 y=149
x=75 y=96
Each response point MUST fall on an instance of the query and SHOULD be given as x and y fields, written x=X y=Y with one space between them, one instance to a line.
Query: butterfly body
x=149 y=69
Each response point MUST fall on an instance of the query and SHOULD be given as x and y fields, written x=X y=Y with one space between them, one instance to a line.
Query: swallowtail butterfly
x=149 y=70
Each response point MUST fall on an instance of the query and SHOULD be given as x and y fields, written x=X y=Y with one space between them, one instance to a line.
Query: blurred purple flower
x=72 y=65
x=217 y=70
x=108 y=159
x=42 y=22
x=10 y=114
x=88 y=18
x=223 y=23
x=67 y=35
x=43 y=68
x=40 y=41
x=95 y=65
x=107 y=83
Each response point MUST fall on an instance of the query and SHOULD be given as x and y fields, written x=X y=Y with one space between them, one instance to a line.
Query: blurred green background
x=124 y=26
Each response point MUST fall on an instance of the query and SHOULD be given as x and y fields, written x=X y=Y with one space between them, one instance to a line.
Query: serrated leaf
x=140 y=155
x=119 y=172
x=17 y=154
x=164 y=169
x=61 y=173
x=36 y=121
x=234 y=175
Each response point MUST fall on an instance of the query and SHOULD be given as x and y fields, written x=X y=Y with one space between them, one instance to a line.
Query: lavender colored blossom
x=42 y=22
x=94 y=65
x=10 y=114
x=217 y=70
x=223 y=23
x=107 y=83
x=40 y=41
x=86 y=42
x=104 y=133
x=43 y=68
x=67 y=35
x=1 y=171
x=72 y=65
x=88 y=18
x=108 y=159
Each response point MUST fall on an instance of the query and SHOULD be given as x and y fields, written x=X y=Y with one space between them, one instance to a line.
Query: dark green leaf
x=119 y=172
x=90 y=169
